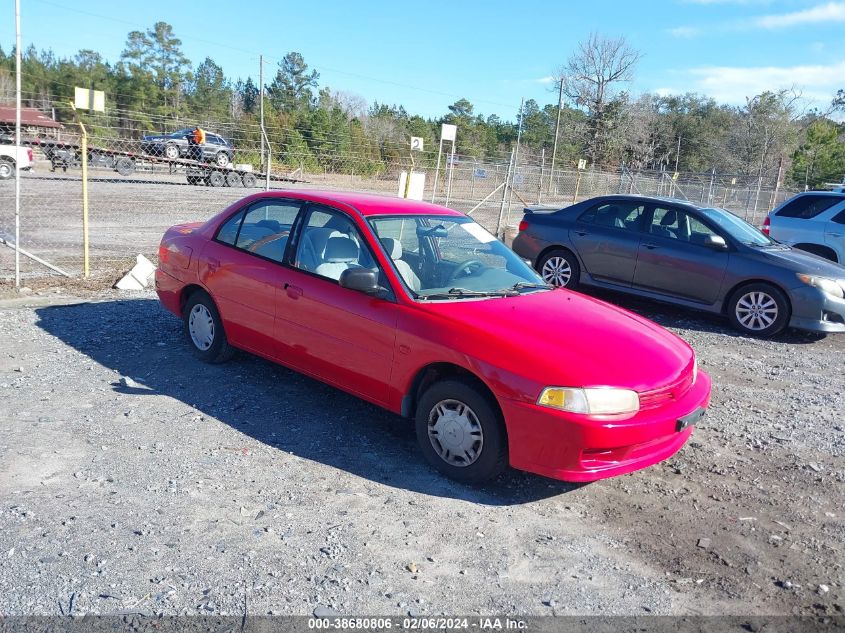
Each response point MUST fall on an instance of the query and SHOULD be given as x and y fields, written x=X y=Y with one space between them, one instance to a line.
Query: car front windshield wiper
x=464 y=293
x=533 y=285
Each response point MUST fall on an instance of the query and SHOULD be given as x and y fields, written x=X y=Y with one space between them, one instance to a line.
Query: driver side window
x=330 y=244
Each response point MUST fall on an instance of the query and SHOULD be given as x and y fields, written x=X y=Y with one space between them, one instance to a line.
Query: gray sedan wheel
x=560 y=268
x=171 y=151
x=759 y=309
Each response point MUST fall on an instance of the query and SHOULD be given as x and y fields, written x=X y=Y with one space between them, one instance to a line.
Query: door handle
x=582 y=233
x=835 y=234
x=294 y=292
x=651 y=247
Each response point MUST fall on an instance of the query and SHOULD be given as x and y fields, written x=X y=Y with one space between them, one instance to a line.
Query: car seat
x=394 y=250
x=663 y=230
x=314 y=246
x=341 y=253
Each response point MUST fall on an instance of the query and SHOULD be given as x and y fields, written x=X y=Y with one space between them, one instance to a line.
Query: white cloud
x=684 y=32
x=548 y=79
x=822 y=13
x=732 y=84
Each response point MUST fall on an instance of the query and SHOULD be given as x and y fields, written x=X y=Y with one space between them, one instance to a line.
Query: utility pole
x=17 y=143
x=678 y=154
x=261 y=102
x=557 y=130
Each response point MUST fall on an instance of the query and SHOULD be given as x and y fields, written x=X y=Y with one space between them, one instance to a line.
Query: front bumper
x=579 y=448
x=816 y=311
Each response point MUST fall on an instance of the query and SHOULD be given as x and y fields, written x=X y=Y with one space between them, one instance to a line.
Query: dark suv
x=216 y=149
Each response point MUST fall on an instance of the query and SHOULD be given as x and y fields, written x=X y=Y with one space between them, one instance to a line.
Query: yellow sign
x=675 y=176
x=85 y=99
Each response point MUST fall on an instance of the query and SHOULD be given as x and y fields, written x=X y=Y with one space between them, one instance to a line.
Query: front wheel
x=759 y=309
x=461 y=433
x=222 y=159
x=171 y=151
x=204 y=329
x=7 y=169
x=560 y=268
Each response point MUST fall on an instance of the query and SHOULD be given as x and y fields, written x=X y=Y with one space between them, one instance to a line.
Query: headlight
x=829 y=286
x=600 y=401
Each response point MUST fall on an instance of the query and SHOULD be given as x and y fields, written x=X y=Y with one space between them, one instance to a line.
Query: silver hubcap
x=756 y=310
x=222 y=160
x=557 y=271
x=455 y=433
x=171 y=151
x=201 y=327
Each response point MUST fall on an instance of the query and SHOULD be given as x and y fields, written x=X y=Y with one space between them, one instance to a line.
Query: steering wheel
x=464 y=269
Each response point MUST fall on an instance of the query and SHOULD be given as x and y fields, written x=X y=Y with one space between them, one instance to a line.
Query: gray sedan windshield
x=736 y=227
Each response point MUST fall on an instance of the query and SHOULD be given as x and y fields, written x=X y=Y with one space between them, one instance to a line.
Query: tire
x=216 y=179
x=125 y=166
x=560 y=268
x=249 y=180
x=171 y=152
x=759 y=309
x=204 y=329
x=193 y=180
x=233 y=179
x=222 y=159
x=7 y=169
x=474 y=426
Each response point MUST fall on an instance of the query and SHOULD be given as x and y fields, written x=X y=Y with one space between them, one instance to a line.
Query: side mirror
x=716 y=242
x=360 y=279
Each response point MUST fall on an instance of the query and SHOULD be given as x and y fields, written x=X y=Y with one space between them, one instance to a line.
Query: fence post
x=499 y=233
x=710 y=189
x=540 y=182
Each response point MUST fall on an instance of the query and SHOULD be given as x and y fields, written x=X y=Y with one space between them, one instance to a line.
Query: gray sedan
x=680 y=253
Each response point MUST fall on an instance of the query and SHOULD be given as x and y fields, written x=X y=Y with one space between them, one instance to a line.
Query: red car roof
x=369 y=203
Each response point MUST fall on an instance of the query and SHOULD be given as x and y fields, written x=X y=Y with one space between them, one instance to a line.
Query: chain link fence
x=137 y=187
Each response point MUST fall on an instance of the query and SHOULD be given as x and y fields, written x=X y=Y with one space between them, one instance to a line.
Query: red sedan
x=420 y=310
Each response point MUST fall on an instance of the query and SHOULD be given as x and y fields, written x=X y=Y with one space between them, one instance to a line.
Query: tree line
x=591 y=116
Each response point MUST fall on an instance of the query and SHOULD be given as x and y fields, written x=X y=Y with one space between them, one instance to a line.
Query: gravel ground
x=135 y=479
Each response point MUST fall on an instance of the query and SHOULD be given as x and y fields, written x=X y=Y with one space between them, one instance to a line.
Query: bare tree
x=591 y=79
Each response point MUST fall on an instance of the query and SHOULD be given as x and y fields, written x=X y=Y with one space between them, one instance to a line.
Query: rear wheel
x=124 y=166
x=204 y=329
x=560 y=268
x=249 y=180
x=461 y=433
x=759 y=309
x=216 y=179
x=233 y=179
x=171 y=151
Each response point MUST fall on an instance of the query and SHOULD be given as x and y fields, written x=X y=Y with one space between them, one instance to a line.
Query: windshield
x=449 y=257
x=737 y=228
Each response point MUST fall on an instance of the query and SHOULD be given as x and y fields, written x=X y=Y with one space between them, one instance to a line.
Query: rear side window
x=618 y=214
x=806 y=207
x=839 y=218
x=263 y=229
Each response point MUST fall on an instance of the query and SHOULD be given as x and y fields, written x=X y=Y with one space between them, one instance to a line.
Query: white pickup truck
x=11 y=154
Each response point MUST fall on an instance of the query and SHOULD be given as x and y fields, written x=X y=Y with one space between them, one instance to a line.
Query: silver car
x=813 y=221
x=676 y=252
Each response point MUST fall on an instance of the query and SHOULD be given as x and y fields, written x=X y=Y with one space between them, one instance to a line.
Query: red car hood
x=568 y=339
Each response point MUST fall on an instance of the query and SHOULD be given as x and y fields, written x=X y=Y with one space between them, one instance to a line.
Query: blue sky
x=427 y=55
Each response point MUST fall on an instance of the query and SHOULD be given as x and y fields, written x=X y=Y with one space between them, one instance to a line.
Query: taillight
x=162 y=254
x=29 y=153
x=767 y=225
x=523 y=225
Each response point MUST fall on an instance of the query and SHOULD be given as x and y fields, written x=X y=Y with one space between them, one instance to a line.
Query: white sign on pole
x=416 y=144
x=84 y=99
x=582 y=163
x=417 y=187
x=448 y=132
